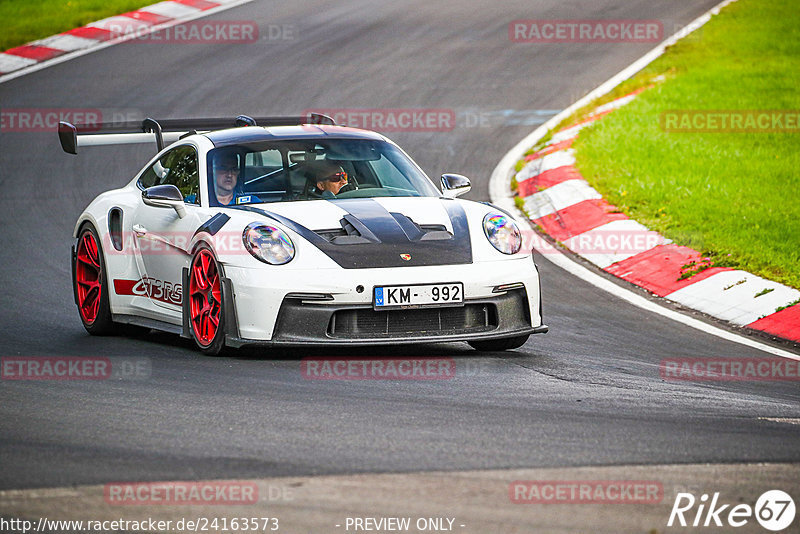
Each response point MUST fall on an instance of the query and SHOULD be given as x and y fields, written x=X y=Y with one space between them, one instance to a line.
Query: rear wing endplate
x=164 y=131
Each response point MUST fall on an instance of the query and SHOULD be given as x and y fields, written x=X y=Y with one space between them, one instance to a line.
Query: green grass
x=733 y=196
x=26 y=20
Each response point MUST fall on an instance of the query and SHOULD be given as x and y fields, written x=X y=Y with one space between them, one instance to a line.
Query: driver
x=226 y=177
x=328 y=178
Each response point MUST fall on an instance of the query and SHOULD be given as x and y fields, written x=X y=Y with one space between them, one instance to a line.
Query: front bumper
x=305 y=323
x=272 y=306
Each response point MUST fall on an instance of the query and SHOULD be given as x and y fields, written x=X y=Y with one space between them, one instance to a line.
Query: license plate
x=412 y=296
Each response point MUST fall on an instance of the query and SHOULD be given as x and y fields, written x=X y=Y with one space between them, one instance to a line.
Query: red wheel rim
x=205 y=299
x=87 y=276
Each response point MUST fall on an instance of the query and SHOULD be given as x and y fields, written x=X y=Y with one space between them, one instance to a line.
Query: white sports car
x=295 y=232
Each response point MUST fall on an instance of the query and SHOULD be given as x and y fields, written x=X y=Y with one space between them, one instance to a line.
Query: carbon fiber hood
x=368 y=235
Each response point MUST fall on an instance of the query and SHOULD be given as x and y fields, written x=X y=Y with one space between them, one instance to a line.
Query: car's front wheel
x=508 y=343
x=91 y=283
x=206 y=312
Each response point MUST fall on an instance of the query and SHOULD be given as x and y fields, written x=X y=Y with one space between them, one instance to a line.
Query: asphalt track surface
x=587 y=393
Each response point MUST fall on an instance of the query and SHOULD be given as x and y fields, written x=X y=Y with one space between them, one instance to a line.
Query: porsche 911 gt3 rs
x=295 y=231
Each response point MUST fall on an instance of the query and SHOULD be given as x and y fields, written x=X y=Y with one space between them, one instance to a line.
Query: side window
x=179 y=168
x=149 y=177
x=181 y=171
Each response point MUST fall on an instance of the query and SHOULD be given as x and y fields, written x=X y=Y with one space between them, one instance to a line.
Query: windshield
x=284 y=171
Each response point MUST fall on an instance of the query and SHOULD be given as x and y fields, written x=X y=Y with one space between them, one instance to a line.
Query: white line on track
x=500 y=194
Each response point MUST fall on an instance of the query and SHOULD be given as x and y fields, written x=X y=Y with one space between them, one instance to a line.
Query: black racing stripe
x=393 y=241
x=213 y=225
x=377 y=219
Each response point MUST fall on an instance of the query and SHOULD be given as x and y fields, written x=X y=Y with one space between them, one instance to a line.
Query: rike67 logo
x=774 y=510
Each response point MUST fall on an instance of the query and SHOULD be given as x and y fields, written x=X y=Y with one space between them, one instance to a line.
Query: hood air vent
x=353 y=231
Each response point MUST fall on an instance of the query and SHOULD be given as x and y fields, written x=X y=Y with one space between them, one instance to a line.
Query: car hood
x=378 y=232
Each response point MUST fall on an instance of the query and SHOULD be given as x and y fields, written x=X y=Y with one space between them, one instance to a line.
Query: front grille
x=413 y=322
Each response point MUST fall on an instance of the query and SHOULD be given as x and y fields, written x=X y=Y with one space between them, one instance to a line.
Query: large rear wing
x=165 y=131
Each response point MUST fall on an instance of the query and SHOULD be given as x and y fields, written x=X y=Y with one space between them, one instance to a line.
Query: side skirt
x=146 y=323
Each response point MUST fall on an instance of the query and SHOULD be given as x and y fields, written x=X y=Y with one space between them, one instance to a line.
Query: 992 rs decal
x=151 y=287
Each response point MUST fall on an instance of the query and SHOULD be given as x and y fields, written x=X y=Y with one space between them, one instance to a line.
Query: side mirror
x=165 y=196
x=455 y=185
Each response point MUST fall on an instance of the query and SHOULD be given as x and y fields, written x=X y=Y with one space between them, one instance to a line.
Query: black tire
x=209 y=345
x=97 y=321
x=498 y=345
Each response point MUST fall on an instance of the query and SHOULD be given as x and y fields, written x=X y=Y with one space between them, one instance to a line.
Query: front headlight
x=268 y=244
x=502 y=232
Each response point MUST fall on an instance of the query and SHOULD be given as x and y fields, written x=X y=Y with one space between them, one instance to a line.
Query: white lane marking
x=615 y=241
x=558 y=197
x=614 y=104
x=35 y=67
x=551 y=161
x=500 y=195
x=785 y=420
x=169 y=9
x=66 y=42
x=10 y=62
x=731 y=296
x=569 y=133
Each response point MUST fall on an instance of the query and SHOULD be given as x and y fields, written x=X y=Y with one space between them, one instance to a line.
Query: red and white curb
x=18 y=60
x=785 y=323
x=565 y=206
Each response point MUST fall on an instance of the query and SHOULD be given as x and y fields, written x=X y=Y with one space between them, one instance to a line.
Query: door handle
x=139 y=230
